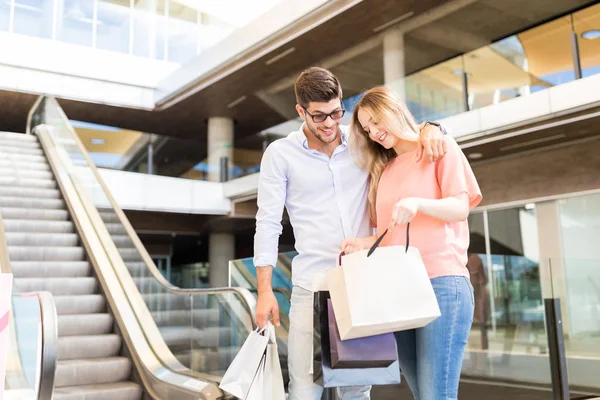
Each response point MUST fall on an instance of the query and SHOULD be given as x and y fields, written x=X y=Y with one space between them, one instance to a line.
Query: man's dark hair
x=318 y=85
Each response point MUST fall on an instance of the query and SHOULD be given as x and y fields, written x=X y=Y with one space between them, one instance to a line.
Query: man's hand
x=432 y=143
x=266 y=305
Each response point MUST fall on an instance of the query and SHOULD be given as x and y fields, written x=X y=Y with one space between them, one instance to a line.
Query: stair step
x=32 y=253
x=34 y=214
x=84 y=304
x=206 y=337
x=16 y=136
x=42 y=239
x=88 y=347
x=136 y=269
x=122 y=241
x=109 y=216
x=59 y=286
x=25 y=165
x=115 y=229
x=4 y=141
x=111 y=391
x=25 y=173
x=202 y=318
x=130 y=254
x=27 y=202
x=19 y=225
x=84 y=324
x=22 y=157
x=92 y=372
x=15 y=191
x=51 y=269
x=27 y=182
x=20 y=150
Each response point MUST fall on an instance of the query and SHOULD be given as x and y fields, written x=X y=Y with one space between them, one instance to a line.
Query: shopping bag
x=326 y=376
x=381 y=290
x=245 y=366
x=255 y=373
x=378 y=351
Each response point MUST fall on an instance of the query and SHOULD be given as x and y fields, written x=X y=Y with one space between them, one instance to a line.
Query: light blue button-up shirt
x=326 y=200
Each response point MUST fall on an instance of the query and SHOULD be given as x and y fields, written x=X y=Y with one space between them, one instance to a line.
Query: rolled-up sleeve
x=272 y=185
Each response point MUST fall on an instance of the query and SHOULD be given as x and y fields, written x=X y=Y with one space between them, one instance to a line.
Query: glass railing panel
x=190 y=322
x=576 y=282
x=435 y=92
x=587 y=27
x=24 y=361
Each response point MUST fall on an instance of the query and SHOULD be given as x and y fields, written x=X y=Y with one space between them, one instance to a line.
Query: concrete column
x=221 y=249
x=393 y=62
x=220 y=144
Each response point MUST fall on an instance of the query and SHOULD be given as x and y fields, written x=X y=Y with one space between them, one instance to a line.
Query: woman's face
x=376 y=129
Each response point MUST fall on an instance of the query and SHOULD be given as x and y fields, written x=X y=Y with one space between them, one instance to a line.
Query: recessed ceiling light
x=97 y=141
x=475 y=156
x=591 y=34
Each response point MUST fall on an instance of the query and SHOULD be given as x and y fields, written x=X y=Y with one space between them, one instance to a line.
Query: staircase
x=47 y=255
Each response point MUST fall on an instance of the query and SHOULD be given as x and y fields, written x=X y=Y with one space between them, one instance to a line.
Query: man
x=313 y=175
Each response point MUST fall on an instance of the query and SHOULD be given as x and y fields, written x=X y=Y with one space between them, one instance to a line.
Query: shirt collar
x=304 y=141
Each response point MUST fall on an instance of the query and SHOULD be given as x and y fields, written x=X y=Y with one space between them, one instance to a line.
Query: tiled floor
x=473 y=391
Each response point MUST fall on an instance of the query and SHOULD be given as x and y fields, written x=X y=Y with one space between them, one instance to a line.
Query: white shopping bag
x=388 y=291
x=255 y=373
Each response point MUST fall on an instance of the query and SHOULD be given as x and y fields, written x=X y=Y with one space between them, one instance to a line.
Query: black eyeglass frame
x=325 y=116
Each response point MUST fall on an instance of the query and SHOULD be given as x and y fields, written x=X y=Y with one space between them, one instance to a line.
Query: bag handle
x=380 y=238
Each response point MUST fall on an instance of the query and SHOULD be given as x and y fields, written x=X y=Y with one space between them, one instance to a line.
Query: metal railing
x=45 y=356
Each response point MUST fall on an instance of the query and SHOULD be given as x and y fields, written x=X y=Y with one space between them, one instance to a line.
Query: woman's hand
x=404 y=211
x=353 y=245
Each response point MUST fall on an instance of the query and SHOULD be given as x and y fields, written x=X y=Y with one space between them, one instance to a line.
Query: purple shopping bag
x=378 y=351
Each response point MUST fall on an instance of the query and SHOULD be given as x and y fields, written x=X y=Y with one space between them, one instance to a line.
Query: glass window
x=34 y=17
x=75 y=21
x=4 y=16
x=580 y=230
x=587 y=26
x=436 y=92
x=515 y=267
x=113 y=25
x=149 y=29
x=548 y=50
x=183 y=33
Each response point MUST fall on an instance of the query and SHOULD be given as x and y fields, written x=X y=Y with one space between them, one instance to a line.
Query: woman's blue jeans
x=431 y=357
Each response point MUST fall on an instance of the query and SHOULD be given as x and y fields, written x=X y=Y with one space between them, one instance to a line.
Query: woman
x=435 y=198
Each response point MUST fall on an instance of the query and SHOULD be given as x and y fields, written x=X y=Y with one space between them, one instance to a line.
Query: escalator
x=29 y=330
x=123 y=331
x=47 y=255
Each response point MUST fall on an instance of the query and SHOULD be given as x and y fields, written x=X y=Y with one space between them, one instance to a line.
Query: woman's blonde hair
x=391 y=113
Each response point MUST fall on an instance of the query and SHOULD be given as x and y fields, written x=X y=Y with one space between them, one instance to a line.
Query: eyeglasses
x=318 y=118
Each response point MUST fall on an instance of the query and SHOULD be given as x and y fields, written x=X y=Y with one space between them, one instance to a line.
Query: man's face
x=325 y=131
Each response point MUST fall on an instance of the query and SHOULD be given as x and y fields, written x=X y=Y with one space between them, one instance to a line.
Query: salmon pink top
x=443 y=245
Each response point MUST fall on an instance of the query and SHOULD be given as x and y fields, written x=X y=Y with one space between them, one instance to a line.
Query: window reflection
x=75 y=21
x=4 y=16
x=182 y=33
x=589 y=49
x=34 y=17
x=113 y=25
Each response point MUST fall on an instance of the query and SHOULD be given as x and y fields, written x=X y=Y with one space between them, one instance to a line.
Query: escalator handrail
x=245 y=295
x=49 y=326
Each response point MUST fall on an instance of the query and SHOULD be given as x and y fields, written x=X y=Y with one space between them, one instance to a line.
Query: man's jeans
x=300 y=353
x=431 y=357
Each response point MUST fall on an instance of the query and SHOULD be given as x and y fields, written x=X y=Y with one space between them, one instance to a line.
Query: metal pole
x=224 y=169
x=556 y=345
x=575 y=50
x=151 y=156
